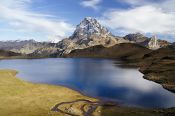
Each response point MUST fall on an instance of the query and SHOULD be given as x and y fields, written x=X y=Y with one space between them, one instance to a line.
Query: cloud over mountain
x=42 y=19
x=145 y=16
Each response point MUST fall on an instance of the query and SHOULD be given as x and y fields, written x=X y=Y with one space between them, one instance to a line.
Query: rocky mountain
x=46 y=52
x=137 y=38
x=14 y=44
x=87 y=34
x=89 y=28
x=151 y=43
x=24 y=47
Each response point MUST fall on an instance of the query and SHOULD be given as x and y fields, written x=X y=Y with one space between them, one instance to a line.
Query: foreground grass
x=20 y=98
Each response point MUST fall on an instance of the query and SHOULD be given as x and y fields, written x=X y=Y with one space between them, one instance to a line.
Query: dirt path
x=81 y=107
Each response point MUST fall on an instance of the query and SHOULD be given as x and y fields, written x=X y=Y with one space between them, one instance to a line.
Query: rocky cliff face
x=153 y=43
x=89 y=28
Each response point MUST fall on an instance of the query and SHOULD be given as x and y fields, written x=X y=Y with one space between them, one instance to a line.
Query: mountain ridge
x=89 y=32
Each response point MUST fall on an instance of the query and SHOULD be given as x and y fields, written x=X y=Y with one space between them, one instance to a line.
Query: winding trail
x=92 y=107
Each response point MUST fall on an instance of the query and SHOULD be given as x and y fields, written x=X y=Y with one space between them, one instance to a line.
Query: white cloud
x=149 y=17
x=16 y=14
x=91 y=3
x=166 y=5
x=135 y=2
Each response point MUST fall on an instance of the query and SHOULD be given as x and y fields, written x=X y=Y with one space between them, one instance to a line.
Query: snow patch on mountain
x=89 y=27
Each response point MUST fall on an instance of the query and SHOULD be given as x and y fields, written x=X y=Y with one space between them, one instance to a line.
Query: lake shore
x=161 y=71
x=156 y=65
x=23 y=98
x=159 y=66
x=164 y=76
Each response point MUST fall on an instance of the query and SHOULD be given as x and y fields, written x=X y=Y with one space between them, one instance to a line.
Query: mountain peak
x=89 y=18
x=89 y=27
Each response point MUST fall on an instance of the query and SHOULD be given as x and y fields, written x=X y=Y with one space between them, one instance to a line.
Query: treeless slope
x=8 y=53
x=159 y=66
x=119 y=51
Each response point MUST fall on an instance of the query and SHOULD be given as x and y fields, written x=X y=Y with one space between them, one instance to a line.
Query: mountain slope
x=120 y=51
x=7 y=54
x=159 y=66
x=89 y=27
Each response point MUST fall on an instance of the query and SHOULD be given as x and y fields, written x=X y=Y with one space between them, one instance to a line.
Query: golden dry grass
x=20 y=98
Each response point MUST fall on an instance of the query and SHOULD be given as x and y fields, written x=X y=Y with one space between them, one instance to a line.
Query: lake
x=105 y=79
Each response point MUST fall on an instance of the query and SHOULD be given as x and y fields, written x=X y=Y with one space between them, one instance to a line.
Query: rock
x=136 y=37
x=153 y=43
x=87 y=34
x=89 y=27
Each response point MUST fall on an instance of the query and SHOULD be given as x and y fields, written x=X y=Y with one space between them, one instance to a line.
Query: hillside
x=7 y=54
x=123 y=51
x=159 y=66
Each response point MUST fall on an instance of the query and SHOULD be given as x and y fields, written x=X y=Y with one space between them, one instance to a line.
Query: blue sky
x=45 y=20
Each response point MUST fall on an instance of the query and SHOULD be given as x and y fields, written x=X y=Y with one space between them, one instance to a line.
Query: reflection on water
x=95 y=77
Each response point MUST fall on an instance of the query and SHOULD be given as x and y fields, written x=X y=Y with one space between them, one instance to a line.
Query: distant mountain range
x=87 y=34
x=23 y=47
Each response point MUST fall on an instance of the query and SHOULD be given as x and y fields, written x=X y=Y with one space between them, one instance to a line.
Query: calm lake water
x=101 y=78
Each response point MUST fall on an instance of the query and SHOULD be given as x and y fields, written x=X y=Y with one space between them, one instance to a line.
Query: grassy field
x=20 y=98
